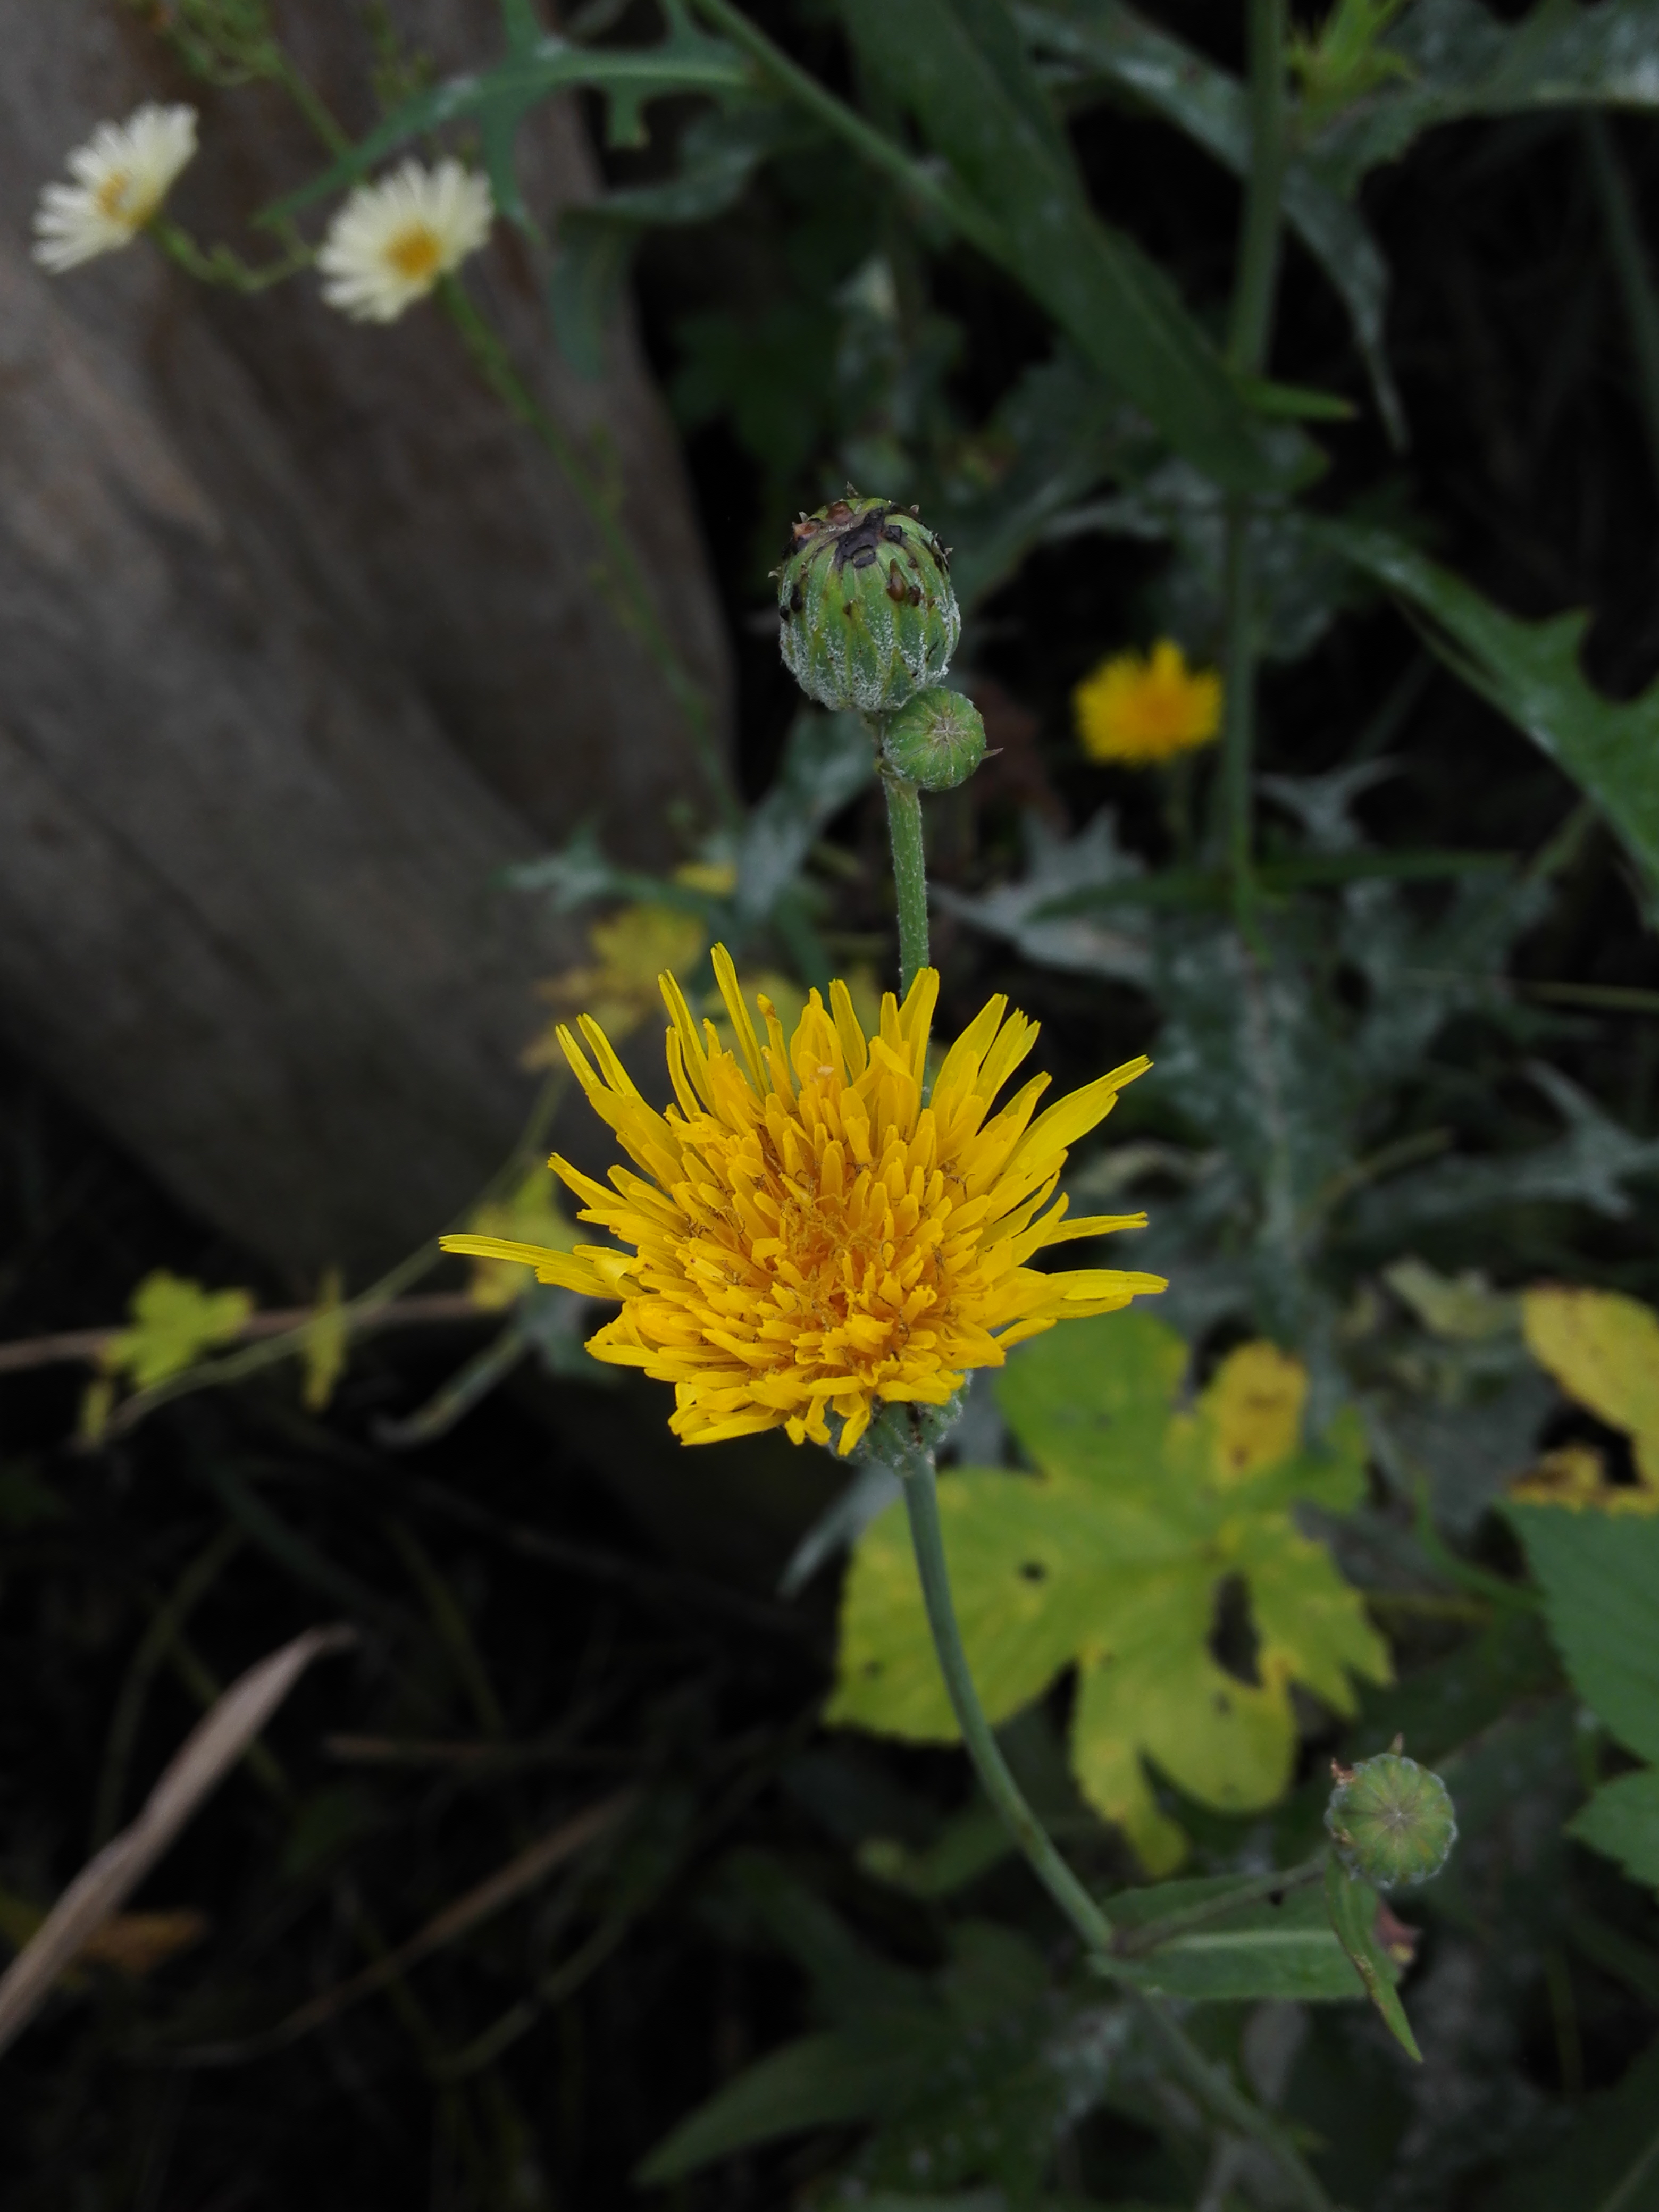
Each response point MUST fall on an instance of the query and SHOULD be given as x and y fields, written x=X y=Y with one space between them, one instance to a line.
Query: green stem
x=631 y=599
x=1629 y=267
x=909 y=874
x=1248 y=336
x=221 y=264
x=914 y=1465
x=1251 y=321
x=1238 y=717
x=916 y=1468
x=932 y=188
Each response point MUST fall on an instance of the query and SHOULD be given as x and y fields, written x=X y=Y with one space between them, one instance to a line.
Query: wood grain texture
x=298 y=646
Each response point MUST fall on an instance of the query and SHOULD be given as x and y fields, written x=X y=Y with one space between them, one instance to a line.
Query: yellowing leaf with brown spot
x=1604 y=1350
x=1111 y=1559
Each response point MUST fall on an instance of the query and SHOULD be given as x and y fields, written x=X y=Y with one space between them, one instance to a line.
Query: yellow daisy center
x=112 y=198
x=416 y=252
x=812 y=1235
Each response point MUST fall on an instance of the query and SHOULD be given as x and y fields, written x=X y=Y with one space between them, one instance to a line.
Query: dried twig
x=207 y=1755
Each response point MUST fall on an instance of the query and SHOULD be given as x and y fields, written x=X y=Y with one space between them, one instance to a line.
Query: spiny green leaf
x=1211 y=107
x=1460 y=58
x=966 y=2076
x=1111 y=1559
x=959 y=66
x=822 y=2081
x=1531 y=672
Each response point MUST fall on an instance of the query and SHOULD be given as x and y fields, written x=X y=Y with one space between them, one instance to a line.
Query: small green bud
x=1391 y=1821
x=936 y=739
x=865 y=613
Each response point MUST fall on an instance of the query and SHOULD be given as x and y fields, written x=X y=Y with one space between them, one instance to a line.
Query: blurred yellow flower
x=630 y=950
x=808 y=1236
x=1135 y=710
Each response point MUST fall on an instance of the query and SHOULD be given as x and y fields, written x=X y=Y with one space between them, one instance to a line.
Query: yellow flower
x=809 y=1236
x=1136 y=711
x=529 y=1213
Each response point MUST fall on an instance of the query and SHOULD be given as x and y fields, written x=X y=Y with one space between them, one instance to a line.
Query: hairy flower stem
x=1249 y=333
x=892 y=1441
x=630 y=595
x=909 y=874
x=915 y=1469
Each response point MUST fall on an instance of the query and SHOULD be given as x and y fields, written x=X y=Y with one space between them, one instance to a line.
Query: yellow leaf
x=630 y=950
x=174 y=1322
x=1604 y=1350
x=719 y=878
x=1463 y=1309
x=1113 y=1560
x=530 y=1215
x=1576 y=1476
x=1254 y=1408
x=325 y=1345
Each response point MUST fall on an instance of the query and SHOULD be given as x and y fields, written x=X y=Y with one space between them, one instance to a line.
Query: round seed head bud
x=936 y=739
x=1391 y=1821
x=865 y=613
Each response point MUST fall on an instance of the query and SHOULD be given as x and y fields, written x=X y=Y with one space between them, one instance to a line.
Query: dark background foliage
x=540 y=1630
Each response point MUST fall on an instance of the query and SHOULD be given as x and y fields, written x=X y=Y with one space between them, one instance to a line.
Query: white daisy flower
x=122 y=175
x=391 y=241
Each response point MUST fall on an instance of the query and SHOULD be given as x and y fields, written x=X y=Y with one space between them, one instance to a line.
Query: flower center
x=415 y=253
x=116 y=198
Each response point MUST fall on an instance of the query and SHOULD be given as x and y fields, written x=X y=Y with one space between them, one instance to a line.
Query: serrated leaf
x=1530 y=671
x=959 y=66
x=1622 y=1819
x=1110 y=1559
x=1604 y=1350
x=1352 y=1906
x=174 y=1321
x=1600 y=1576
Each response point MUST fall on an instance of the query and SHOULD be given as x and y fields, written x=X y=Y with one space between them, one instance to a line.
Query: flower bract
x=813 y=1232
x=391 y=241
x=122 y=175
x=1134 y=711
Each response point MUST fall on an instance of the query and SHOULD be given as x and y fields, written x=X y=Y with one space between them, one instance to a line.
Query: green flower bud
x=865 y=613
x=936 y=739
x=1391 y=1821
